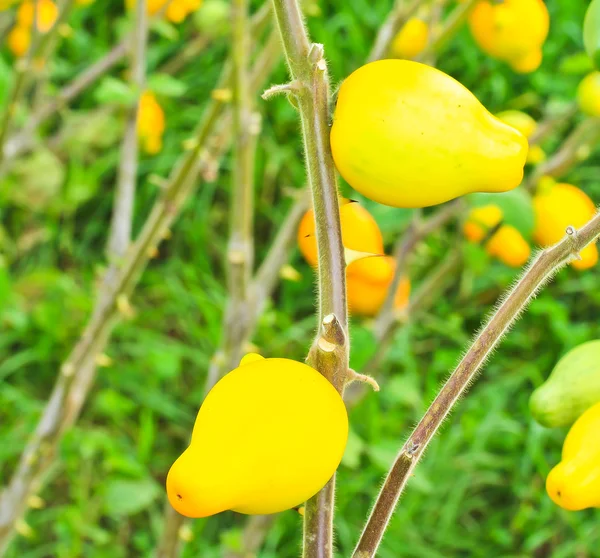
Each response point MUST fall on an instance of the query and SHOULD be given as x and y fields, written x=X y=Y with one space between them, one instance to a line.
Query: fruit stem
x=536 y=275
x=308 y=70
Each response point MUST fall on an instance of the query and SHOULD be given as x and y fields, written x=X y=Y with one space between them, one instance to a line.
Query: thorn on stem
x=332 y=331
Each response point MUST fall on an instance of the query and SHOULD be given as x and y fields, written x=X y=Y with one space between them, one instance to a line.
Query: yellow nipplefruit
x=512 y=30
x=18 y=40
x=481 y=221
x=368 y=286
x=527 y=126
x=151 y=123
x=411 y=40
x=588 y=94
x=176 y=11
x=574 y=484
x=407 y=135
x=509 y=246
x=47 y=12
x=253 y=449
x=360 y=232
x=506 y=244
x=558 y=207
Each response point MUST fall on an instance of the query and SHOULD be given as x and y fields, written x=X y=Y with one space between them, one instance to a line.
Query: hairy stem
x=329 y=353
x=541 y=270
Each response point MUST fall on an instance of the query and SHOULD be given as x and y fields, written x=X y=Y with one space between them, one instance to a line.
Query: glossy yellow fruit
x=506 y=244
x=176 y=11
x=509 y=246
x=367 y=288
x=574 y=484
x=411 y=40
x=480 y=222
x=512 y=30
x=518 y=120
x=558 y=207
x=18 y=40
x=360 y=232
x=588 y=94
x=151 y=123
x=268 y=436
x=47 y=12
x=407 y=135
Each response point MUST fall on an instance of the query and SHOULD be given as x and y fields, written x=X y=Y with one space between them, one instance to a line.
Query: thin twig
x=120 y=231
x=329 y=353
x=541 y=270
x=76 y=375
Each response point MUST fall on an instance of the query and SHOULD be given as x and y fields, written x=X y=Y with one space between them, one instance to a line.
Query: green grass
x=479 y=491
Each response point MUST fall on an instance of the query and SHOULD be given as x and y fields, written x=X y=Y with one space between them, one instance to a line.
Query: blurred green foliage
x=479 y=491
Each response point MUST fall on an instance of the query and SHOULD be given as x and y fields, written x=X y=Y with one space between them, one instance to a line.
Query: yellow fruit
x=18 y=40
x=47 y=12
x=360 y=232
x=518 y=120
x=535 y=155
x=368 y=288
x=509 y=246
x=411 y=40
x=558 y=207
x=176 y=11
x=588 y=94
x=407 y=135
x=268 y=436
x=574 y=484
x=151 y=123
x=511 y=30
x=480 y=221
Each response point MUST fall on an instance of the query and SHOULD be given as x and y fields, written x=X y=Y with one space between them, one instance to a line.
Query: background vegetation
x=479 y=491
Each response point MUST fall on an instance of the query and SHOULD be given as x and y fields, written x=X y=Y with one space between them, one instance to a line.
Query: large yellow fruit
x=407 y=135
x=268 y=436
x=411 y=40
x=527 y=126
x=512 y=30
x=588 y=94
x=367 y=287
x=574 y=484
x=558 y=207
x=360 y=232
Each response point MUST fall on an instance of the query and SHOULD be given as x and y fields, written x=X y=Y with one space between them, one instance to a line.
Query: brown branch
x=543 y=268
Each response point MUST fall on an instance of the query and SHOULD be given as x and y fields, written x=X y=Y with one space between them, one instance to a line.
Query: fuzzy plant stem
x=77 y=372
x=120 y=230
x=537 y=274
x=329 y=353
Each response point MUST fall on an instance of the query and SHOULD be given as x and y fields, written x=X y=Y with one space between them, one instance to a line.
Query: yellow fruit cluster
x=512 y=30
x=176 y=11
x=505 y=242
x=558 y=206
x=150 y=123
x=19 y=38
x=367 y=279
x=254 y=448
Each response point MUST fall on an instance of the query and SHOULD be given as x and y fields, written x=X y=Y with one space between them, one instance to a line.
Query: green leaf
x=354 y=449
x=128 y=497
x=516 y=206
x=113 y=91
x=166 y=85
x=591 y=32
x=577 y=64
